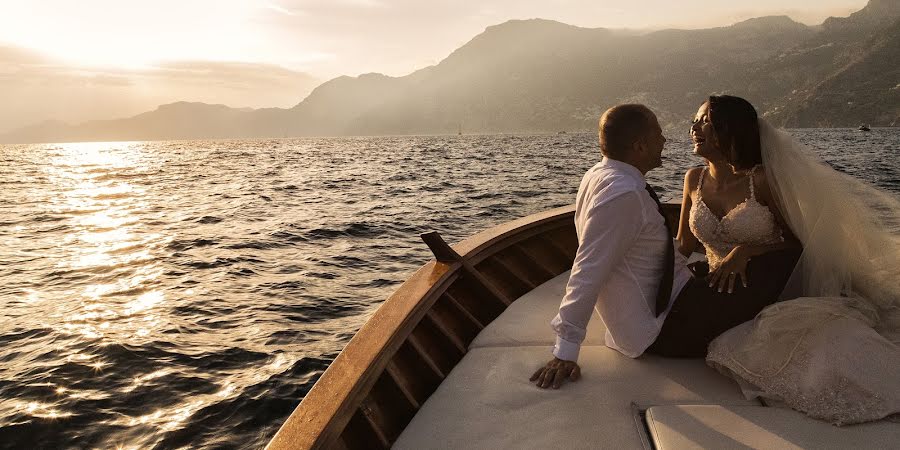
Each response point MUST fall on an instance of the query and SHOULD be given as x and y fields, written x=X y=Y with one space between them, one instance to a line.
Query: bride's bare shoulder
x=761 y=183
x=692 y=177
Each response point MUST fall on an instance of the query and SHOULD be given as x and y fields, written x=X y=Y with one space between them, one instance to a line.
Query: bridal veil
x=850 y=230
x=832 y=348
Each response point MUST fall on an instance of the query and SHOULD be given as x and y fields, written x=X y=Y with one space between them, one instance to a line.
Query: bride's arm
x=765 y=197
x=687 y=242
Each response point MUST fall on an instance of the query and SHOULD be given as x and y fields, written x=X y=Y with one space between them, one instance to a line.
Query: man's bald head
x=622 y=126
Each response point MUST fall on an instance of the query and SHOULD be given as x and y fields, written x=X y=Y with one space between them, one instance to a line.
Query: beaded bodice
x=748 y=223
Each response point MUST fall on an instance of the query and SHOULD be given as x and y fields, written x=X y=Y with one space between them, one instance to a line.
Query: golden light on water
x=168 y=420
x=144 y=379
x=41 y=410
x=107 y=239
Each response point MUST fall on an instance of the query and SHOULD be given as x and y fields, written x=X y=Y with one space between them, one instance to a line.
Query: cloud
x=10 y=56
x=280 y=9
x=35 y=88
x=286 y=39
x=232 y=74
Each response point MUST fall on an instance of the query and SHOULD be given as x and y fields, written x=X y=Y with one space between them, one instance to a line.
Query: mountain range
x=545 y=76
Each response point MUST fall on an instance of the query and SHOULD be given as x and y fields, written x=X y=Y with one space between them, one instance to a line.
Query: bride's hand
x=733 y=266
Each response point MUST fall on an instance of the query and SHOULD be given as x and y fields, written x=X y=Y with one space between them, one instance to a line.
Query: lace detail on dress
x=749 y=223
x=819 y=355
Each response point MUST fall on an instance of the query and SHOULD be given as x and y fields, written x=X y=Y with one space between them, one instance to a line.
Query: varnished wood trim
x=488 y=285
x=462 y=309
x=423 y=353
x=451 y=336
x=485 y=239
x=340 y=396
x=320 y=419
x=400 y=381
x=536 y=259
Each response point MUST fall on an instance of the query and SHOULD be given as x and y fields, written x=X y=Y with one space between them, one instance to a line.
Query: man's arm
x=610 y=230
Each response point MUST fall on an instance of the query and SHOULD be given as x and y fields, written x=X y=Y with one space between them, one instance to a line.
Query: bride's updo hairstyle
x=736 y=126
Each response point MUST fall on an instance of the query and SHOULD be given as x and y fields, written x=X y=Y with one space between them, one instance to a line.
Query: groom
x=626 y=266
x=623 y=247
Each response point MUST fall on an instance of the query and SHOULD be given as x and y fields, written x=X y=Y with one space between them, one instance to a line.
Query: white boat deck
x=487 y=401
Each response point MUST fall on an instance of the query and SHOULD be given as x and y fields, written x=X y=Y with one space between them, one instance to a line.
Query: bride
x=831 y=348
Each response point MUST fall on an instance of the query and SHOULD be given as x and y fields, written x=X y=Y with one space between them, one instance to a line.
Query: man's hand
x=555 y=372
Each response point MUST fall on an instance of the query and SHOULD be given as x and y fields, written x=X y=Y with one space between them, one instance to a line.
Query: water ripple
x=189 y=293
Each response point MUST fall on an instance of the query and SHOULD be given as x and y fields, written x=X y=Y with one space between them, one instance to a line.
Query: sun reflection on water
x=41 y=410
x=108 y=240
x=144 y=379
x=167 y=420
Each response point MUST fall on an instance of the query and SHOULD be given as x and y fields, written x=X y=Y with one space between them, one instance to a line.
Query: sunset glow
x=138 y=34
x=104 y=59
x=133 y=34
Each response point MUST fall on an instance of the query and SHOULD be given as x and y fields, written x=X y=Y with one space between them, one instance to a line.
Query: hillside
x=545 y=76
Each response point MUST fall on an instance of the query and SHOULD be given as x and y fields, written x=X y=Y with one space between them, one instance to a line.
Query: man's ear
x=640 y=146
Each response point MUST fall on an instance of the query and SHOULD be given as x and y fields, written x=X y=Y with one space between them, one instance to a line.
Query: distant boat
x=561 y=132
x=459 y=129
x=864 y=127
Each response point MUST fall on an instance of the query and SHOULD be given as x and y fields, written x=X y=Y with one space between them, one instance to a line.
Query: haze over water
x=189 y=293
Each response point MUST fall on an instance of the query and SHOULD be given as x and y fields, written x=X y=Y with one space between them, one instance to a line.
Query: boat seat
x=526 y=322
x=687 y=427
x=488 y=402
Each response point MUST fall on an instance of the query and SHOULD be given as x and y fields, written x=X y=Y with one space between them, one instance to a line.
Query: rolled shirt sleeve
x=611 y=226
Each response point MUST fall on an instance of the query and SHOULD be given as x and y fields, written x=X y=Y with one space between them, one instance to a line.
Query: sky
x=98 y=59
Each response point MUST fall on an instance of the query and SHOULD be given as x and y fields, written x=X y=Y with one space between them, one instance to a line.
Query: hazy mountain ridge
x=863 y=85
x=544 y=76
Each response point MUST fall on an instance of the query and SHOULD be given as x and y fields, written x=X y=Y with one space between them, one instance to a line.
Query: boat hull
x=405 y=350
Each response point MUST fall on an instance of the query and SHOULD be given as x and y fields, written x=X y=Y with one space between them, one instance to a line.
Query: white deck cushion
x=527 y=320
x=488 y=402
x=688 y=427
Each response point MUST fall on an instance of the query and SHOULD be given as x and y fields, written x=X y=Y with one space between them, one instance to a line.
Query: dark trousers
x=701 y=313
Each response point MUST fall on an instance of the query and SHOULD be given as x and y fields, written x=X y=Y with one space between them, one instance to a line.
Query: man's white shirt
x=619 y=263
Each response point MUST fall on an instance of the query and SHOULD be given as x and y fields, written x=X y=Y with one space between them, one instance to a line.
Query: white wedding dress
x=750 y=222
x=831 y=349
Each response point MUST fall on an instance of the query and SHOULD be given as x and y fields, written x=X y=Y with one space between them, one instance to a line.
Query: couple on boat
x=798 y=299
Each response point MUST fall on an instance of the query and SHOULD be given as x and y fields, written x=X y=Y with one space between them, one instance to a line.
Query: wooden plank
x=434 y=321
x=536 y=258
x=438 y=348
x=564 y=238
x=506 y=281
x=413 y=373
x=386 y=409
x=403 y=383
x=475 y=299
x=524 y=274
x=362 y=434
x=423 y=351
x=541 y=249
x=451 y=317
x=488 y=286
x=477 y=244
x=326 y=410
x=463 y=311
x=343 y=410
x=560 y=252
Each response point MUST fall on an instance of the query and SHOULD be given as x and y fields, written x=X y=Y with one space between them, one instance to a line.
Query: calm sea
x=189 y=293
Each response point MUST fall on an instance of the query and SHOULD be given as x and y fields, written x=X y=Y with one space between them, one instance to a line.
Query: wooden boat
x=397 y=369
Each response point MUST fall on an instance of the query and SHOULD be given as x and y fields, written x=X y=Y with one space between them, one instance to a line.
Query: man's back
x=622 y=239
